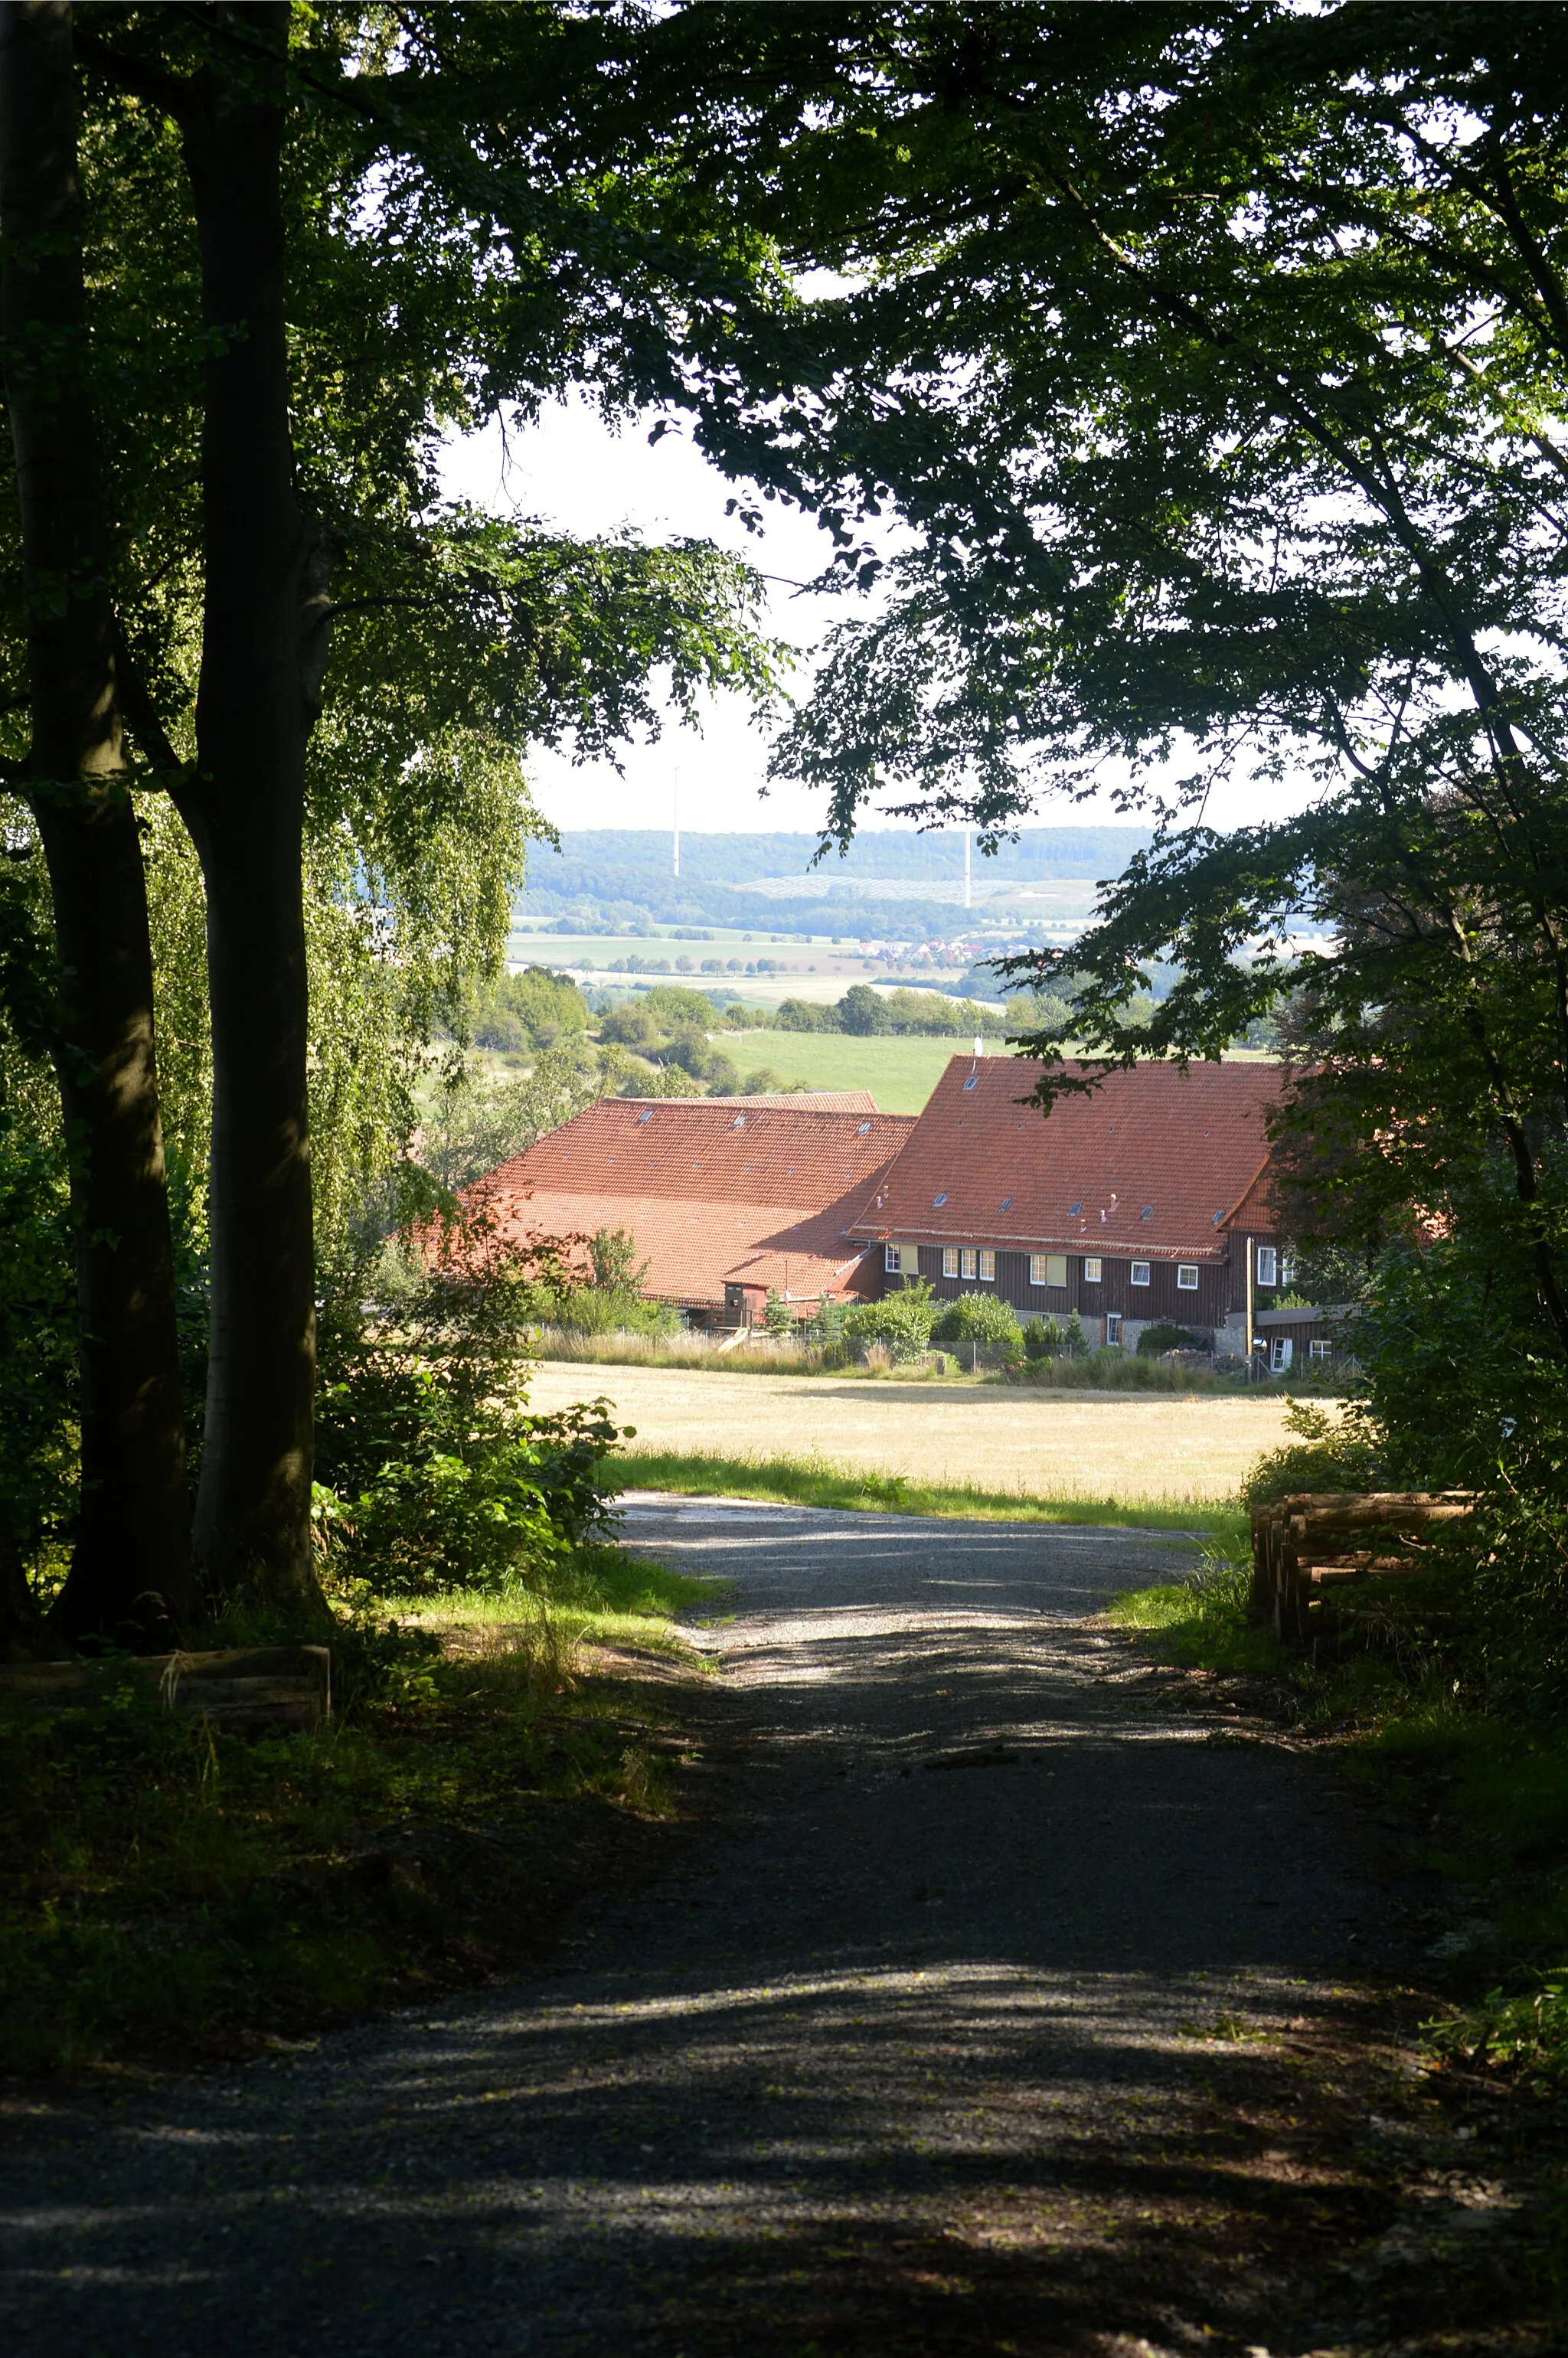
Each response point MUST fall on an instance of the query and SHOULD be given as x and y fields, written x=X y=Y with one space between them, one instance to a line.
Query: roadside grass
x=810 y=1480
x=170 y=1891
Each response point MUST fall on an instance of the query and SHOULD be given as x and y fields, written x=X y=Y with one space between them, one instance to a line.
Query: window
x=1091 y=1272
x=1281 y=1351
x=1287 y=1269
x=1048 y=1269
x=1138 y=1273
x=950 y=1260
x=1186 y=1277
x=891 y=1259
x=1112 y=1331
x=968 y=1260
x=1320 y=1347
x=988 y=1267
x=1267 y=1265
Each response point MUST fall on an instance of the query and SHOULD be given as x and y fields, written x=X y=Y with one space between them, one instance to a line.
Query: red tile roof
x=804 y=1101
x=713 y=1189
x=1151 y=1162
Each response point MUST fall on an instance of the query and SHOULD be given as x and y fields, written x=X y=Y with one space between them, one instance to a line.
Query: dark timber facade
x=1146 y=1202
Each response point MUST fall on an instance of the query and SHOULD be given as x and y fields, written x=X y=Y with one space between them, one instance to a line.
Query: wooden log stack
x=243 y=1689
x=1313 y=1547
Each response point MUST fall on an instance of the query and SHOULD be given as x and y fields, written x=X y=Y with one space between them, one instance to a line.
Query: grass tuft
x=819 y=1481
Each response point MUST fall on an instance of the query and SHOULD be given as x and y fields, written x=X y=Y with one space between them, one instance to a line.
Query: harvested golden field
x=1133 y=1447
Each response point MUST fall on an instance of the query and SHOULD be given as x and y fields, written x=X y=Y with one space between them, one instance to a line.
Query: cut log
x=243 y=1688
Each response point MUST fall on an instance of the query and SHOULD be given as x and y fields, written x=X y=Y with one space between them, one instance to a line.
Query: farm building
x=728 y=1199
x=1145 y=1202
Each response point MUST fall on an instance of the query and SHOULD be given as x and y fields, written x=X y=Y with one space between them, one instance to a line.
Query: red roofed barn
x=729 y=1198
x=1146 y=1201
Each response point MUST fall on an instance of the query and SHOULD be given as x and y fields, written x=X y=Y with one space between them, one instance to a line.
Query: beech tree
x=130 y=1570
x=344 y=297
x=1216 y=357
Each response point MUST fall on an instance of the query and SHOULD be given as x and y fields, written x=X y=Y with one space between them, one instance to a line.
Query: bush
x=1166 y=1335
x=982 y=1327
x=902 y=1322
x=1056 y=1338
x=1322 y=1457
x=431 y=1472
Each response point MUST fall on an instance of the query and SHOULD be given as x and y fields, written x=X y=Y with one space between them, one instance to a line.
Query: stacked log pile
x=1312 y=1548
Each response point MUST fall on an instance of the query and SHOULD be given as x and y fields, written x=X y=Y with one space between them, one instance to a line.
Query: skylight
x=738 y=1122
x=937 y=1201
x=645 y=1117
x=972 y=1081
x=1006 y=1203
x=1073 y=1211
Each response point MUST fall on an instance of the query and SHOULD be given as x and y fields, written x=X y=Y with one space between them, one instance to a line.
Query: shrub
x=983 y=1327
x=1056 y=1338
x=1166 y=1335
x=1322 y=1457
x=431 y=1472
x=901 y=1322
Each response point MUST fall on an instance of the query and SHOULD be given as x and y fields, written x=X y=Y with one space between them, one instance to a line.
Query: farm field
x=1135 y=1448
x=900 y=1073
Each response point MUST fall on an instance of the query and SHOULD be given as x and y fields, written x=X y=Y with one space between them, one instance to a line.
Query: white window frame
x=1112 y=1330
x=1320 y=1347
x=950 y=1260
x=1092 y=1270
x=1267 y=1265
x=968 y=1262
x=1281 y=1351
x=1040 y=1265
x=1138 y=1273
x=893 y=1263
x=1186 y=1277
x=1037 y=1268
x=988 y=1269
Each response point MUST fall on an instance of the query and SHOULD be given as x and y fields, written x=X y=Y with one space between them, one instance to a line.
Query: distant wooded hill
x=611 y=875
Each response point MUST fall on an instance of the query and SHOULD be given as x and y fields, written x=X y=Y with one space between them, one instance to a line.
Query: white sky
x=574 y=471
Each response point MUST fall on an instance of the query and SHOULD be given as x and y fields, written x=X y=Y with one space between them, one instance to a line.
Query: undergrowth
x=819 y=1481
x=170 y=1891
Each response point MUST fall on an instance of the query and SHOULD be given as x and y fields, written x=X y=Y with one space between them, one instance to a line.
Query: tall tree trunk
x=129 y=1572
x=245 y=813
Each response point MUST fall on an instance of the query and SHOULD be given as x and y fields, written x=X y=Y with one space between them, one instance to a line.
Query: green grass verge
x=818 y=1482
x=170 y=1891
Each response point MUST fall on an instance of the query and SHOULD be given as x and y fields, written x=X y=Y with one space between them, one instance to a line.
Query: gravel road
x=987 y=2002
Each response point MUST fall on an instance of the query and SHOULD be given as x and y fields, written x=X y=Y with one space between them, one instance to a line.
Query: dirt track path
x=992 y=2007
